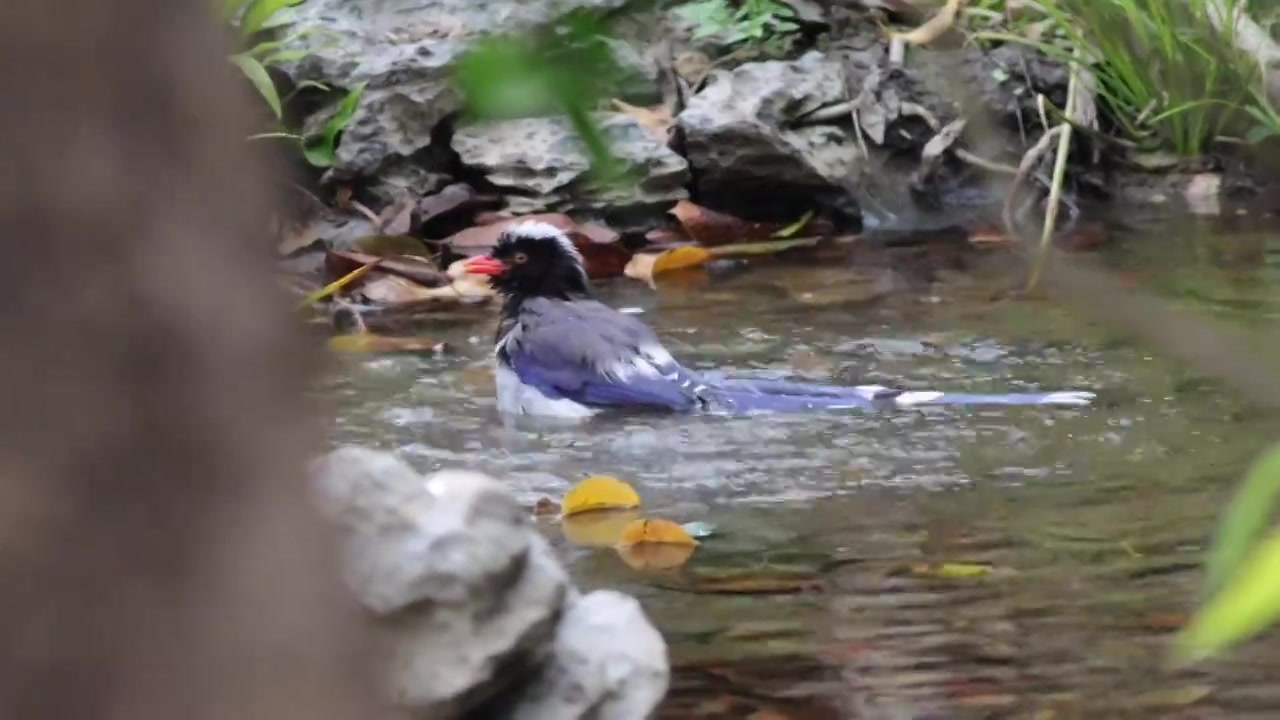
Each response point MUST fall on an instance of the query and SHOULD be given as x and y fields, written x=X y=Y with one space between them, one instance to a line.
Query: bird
x=562 y=353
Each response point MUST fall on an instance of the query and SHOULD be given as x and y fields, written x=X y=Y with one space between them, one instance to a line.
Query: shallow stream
x=939 y=563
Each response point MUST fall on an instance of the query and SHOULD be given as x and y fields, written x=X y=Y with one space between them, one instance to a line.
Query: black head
x=533 y=259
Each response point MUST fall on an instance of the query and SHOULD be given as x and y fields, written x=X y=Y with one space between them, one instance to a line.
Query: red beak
x=484 y=265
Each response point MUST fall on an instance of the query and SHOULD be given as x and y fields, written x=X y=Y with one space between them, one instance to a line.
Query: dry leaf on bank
x=380 y=288
x=934 y=27
x=646 y=266
x=397 y=218
x=419 y=270
x=711 y=227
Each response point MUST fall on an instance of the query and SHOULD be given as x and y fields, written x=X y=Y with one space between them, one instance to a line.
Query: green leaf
x=1248 y=603
x=285 y=56
x=227 y=9
x=261 y=11
x=321 y=153
x=794 y=227
x=280 y=135
x=1245 y=518
x=1258 y=133
x=257 y=75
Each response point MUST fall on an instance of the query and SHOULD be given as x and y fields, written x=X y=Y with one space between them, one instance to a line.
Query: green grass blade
x=1246 y=516
x=321 y=153
x=256 y=17
x=1246 y=605
x=261 y=80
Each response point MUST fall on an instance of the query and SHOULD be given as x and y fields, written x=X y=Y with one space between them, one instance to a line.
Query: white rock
x=608 y=663
x=472 y=612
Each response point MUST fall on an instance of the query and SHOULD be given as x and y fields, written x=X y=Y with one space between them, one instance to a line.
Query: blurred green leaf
x=227 y=9
x=260 y=12
x=261 y=80
x=1247 y=604
x=321 y=152
x=1244 y=520
x=563 y=68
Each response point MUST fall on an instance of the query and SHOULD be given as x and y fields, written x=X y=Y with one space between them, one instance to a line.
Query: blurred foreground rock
x=473 y=613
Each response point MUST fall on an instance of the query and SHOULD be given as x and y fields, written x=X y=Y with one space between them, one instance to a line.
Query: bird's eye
x=519 y=258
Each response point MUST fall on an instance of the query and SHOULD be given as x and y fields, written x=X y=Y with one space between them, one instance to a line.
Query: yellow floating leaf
x=598 y=528
x=655 y=556
x=371 y=343
x=646 y=266
x=951 y=570
x=600 y=492
x=656 y=530
x=934 y=27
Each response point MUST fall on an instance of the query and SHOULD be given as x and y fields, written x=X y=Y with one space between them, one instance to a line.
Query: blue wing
x=589 y=353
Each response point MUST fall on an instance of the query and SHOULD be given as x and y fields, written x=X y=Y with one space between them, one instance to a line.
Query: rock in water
x=469 y=604
x=621 y=678
x=539 y=163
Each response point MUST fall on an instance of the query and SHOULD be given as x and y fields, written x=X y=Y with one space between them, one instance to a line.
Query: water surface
x=1091 y=521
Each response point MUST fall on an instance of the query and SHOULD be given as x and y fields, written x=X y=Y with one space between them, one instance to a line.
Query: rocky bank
x=754 y=135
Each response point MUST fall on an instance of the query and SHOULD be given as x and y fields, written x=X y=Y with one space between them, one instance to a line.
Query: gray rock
x=471 y=609
x=404 y=50
x=736 y=128
x=404 y=176
x=622 y=677
x=539 y=163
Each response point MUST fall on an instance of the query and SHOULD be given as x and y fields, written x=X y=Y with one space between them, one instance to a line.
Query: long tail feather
x=783 y=396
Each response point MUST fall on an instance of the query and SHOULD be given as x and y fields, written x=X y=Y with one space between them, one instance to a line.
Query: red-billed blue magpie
x=562 y=353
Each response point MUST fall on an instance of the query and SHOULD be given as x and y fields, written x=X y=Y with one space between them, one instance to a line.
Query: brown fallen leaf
x=380 y=288
x=370 y=343
x=391 y=245
x=294 y=237
x=711 y=228
x=1084 y=237
x=987 y=235
x=656 y=120
x=478 y=239
x=598 y=244
x=397 y=218
x=451 y=202
x=546 y=507
x=646 y=266
x=663 y=236
x=934 y=27
x=489 y=217
x=419 y=270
